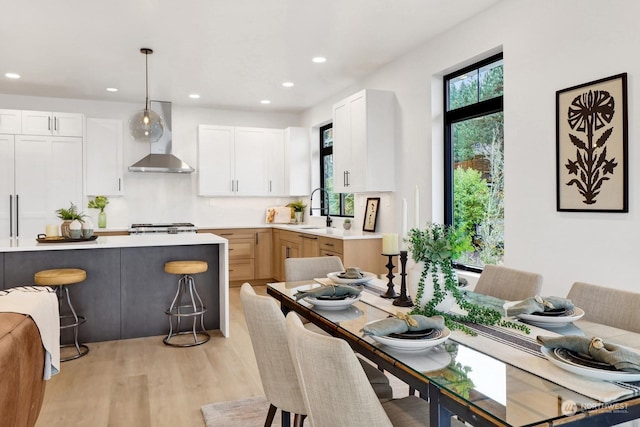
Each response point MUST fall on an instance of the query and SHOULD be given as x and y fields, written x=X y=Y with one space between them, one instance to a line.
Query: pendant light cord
x=146 y=80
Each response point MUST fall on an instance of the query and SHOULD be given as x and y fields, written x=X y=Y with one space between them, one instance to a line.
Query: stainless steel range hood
x=160 y=159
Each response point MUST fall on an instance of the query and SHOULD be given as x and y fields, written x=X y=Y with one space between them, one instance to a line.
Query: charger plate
x=573 y=364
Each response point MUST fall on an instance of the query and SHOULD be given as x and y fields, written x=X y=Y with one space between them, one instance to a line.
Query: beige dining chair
x=309 y=268
x=508 y=283
x=335 y=388
x=613 y=307
x=266 y=326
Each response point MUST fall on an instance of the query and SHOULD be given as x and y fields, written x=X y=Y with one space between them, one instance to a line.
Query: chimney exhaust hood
x=160 y=158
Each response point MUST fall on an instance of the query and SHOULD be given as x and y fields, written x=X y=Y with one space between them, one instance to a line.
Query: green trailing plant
x=99 y=202
x=436 y=246
x=70 y=214
x=297 y=206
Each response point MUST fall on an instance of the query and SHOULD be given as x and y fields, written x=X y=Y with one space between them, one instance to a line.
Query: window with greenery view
x=474 y=159
x=340 y=204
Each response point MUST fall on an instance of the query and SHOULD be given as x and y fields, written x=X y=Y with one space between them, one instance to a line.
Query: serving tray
x=64 y=239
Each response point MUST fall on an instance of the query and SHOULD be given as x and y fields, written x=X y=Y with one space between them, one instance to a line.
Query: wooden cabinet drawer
x=241 y=248
x=241 y=269
x=331 y=245
x=231 y=233
x=330 y=253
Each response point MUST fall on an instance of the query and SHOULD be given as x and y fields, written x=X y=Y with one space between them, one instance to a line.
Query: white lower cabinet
x=104 y=158
x=48 y=176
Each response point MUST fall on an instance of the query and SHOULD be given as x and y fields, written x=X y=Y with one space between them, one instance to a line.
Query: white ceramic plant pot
x=414 y=272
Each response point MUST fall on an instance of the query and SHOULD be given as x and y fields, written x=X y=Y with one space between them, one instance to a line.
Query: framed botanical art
x=371 y=214
x=591 y=146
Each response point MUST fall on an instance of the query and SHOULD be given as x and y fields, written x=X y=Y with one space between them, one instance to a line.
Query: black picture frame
x=592 y=172
x=371 y=214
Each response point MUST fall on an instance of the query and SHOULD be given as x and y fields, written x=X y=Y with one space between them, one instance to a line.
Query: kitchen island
x=126 y=291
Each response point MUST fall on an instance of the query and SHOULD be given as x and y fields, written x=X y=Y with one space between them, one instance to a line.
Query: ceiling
x=233 y=53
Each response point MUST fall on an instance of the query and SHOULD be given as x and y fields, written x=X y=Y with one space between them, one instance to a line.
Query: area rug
x=250 y=412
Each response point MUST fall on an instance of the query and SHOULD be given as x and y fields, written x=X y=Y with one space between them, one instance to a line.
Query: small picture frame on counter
x=371 y=214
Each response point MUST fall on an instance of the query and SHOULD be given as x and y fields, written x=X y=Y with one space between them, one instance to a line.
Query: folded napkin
x=485 y=300
x=329 y=291
x=538 y=303
x=395 y=325
x=619 y=357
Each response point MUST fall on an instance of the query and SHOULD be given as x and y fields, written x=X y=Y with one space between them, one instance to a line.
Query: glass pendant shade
x=146 y=126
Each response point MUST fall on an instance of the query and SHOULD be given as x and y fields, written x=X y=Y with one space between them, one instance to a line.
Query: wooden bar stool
x=192 y=307
x=61 y=278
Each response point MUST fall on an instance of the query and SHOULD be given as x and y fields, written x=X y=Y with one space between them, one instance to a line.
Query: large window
x=340 y=204
x=474 y=159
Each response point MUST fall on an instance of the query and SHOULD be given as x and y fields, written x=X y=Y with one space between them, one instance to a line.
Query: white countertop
x=103 y=242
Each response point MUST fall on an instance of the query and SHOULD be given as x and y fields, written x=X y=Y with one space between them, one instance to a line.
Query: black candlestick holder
x=403 y=300
x=391 y=293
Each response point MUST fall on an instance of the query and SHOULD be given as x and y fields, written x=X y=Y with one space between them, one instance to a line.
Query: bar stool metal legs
x=191 y=308
x=81 y=349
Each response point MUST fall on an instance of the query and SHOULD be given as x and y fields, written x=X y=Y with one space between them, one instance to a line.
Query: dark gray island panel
x=126 y=291
x=97 y=298
x=147 y=290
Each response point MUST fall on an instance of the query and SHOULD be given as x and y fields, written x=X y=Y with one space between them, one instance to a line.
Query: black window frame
x=328 y=151
x=479 y=109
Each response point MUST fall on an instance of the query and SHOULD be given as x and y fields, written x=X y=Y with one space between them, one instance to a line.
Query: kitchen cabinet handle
x=344 y=178
x=307 y=237
x=348 y=180
x=49 y=124
x=226 y=234
x=55 y=123
x=17 y=216
x=119 y=184
x=237 y=185
x=329 y=244
x=270 y=189
x=256 y=237
x=10 y=215
x=286 y=252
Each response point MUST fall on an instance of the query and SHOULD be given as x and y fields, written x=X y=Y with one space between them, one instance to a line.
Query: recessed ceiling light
x=287 y=84
x=319 y=59
x=112 y=89
x=12 y=75
x=265 y=101
x=194 y=96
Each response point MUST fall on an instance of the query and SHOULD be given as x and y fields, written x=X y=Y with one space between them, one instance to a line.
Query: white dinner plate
x=336 y=279
x=599 y=374
x=329 y=304
x=414 y=344
x=553 y=321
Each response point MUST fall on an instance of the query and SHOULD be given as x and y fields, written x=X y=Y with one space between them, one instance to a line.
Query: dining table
x=493 y=376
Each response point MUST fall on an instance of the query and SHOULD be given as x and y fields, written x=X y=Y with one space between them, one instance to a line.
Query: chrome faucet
x=311 y=208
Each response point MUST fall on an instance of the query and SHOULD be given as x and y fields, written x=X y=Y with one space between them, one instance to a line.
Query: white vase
x=413 y=280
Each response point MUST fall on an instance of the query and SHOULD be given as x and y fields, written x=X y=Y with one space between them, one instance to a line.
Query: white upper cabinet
x=215 y=161
x=104 y=157
x=10 y=122
x=249 y=161
x=48 y=123
x=297 y=150
x=241 y=161
x=276 y=165
x=363 y=142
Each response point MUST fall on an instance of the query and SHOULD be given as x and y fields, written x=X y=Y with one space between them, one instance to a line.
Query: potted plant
x=298 y=207
x=67 y=216
x=346 y=223
x=436 y=288
x=100 y=202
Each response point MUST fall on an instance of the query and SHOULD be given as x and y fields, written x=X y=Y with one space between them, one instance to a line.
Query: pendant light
x=146 y=125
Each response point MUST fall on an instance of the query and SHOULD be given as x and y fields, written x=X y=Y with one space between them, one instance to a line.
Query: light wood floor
x=142 y=382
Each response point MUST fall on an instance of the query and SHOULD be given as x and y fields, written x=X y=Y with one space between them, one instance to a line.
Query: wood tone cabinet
x=264 y=253
x=249 y=253
x=11 y=122
x=48 y=123
x=363 y=253
x=104 y=158
x=363 y=141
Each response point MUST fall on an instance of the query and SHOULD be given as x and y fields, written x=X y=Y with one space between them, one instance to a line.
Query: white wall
x=161 y=197
x=548 y=45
